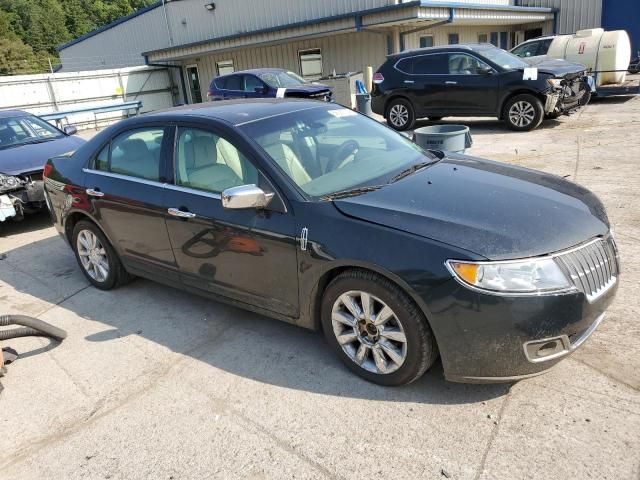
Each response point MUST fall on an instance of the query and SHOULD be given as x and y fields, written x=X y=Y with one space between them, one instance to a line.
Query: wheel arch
x=515 y=93
x=336 y=269
x=71 y=220
x=397 y=96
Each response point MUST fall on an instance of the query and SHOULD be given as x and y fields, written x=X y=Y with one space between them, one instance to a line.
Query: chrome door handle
x=92 y=192
x=176 y=212
x=409 y=81
x=450 y=83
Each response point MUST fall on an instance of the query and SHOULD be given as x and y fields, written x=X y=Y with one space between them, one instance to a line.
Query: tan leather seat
x=286 y=158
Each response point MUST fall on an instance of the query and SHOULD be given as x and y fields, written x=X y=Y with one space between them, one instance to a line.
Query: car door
x=247 y=255
x=426 y=82
x=233 y=87
x=472 y=85
x=254 y=87
x=125 y=190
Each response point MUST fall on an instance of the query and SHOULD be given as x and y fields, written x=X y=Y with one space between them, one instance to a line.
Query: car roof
x=256 y=71
x=13 y=113
x=240 y=111
x=467 y=47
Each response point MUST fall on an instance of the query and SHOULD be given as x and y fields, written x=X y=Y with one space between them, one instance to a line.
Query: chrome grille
x=592 y=268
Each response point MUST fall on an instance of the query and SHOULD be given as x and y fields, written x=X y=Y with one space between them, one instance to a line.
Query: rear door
x=233 y=87
x=426 y=81
x=125 y=190
x=472 y=85
x=247 y=255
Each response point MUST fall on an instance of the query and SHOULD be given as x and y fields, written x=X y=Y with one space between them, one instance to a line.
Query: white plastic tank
x=599 y=51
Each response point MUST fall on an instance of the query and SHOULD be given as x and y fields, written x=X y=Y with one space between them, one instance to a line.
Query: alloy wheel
x=369 y=332
x=522 y=114
x=93 y=255
x=399 y=115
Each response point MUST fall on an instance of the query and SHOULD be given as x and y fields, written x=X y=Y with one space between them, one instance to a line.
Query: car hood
x=30 y=158
x=308 y=88
x=556 y=67
x=492 y=209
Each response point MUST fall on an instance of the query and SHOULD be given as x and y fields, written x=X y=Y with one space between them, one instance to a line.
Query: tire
x=96 y=259
x=400 y=114
x=413 y=356
x=435 y=119
x=523 y=113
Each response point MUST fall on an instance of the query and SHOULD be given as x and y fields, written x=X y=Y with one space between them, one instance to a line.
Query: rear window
x=431 y=64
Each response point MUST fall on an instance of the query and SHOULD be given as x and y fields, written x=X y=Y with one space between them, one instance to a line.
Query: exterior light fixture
x=210 y=6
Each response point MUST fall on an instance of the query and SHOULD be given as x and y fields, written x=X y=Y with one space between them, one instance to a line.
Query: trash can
x=450 y=138
x=363 y=104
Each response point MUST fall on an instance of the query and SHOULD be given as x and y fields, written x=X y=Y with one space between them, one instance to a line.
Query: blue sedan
x=266 y=83
x=26 y=143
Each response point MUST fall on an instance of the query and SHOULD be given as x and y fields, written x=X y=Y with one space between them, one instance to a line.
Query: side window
x=462 y=64
x=544 y=46
x=137 y=153
x=101 y=161
x=251 y=82
x=206 y=161
x=234 y=82
x=527 y=50
x=405 y=65
x=221 y=82
x=431 y=65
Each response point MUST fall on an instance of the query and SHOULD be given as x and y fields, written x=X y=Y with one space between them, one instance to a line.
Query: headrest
x=135 y=148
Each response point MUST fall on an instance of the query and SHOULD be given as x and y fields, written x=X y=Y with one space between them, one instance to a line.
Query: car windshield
x=330 y=151
x=281 y=79
x=503 y=58
x=17 y=131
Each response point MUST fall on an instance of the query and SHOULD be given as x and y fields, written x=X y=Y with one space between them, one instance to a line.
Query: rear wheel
x=96 y=257
x=376 y=329
x=523 y=113
x=400 y=114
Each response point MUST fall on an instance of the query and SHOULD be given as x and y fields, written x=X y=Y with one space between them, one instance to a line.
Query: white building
x=200 y=39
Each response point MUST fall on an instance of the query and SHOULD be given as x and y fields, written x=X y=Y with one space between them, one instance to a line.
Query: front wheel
x=376 y=329
x=400 y=114
x=523 y=113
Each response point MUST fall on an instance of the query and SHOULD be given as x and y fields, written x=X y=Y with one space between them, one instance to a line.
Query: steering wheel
x=347 y=148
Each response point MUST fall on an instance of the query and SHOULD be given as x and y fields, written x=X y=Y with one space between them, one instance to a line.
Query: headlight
x=555 y=82
x=7 y=182
x=525 y=277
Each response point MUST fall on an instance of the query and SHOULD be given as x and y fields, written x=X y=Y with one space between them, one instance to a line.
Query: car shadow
x=234 y=340
x=485 y=126
x=30 y=223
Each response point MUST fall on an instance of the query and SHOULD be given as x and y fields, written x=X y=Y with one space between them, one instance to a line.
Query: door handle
x=94 y=192
x=449 y=82
x=176 y=212
x=409 y=81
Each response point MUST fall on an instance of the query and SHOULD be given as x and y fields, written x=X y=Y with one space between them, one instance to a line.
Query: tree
x=78 y=18
x=16 y=57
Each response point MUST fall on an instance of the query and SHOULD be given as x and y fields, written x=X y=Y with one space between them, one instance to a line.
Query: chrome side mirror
x=245 y=196
x=70 y=130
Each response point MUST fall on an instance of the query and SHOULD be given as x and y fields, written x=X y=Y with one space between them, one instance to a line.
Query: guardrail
x=126 y=107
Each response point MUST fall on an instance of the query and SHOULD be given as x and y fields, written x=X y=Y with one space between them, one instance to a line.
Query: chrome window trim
x=124 y=177
x=202 y=193
x=395 y=65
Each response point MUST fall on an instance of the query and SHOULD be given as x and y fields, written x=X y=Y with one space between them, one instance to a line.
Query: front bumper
x=569 y=98
x=486 y=338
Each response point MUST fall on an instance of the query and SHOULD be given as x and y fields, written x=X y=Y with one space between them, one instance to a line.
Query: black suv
x=476 y=80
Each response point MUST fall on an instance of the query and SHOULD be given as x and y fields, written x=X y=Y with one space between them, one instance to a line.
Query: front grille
x=593 y=268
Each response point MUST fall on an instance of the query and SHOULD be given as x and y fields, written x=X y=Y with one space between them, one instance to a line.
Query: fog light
x=547 y=349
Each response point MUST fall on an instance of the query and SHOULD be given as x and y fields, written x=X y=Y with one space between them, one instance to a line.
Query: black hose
x=31 y=327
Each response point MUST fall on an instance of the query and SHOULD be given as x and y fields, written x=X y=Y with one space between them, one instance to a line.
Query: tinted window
x=405 y=65
x=137 y=153
x=221 y=82
x=234 y=82
x=527 y=50
x=251 y=82
x=101 y=161
x=544 y=46
x=463 y=64
x=206 y=161
x=431 y=64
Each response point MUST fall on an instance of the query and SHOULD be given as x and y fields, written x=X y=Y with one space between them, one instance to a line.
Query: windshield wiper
x=351 y=192
x=36 y=140
x=411 y=170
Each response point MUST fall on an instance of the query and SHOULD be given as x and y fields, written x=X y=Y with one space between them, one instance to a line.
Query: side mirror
x=70 y=130
x=260 y=89
x=245 y=196
x=485 y=71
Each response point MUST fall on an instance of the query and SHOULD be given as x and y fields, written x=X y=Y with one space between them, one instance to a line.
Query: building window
x=225 y=67
x=426 y=41
x=310 y=63
x=483 y=38
x=454 y=39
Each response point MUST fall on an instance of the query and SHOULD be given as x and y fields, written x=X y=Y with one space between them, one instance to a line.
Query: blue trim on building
x=109 y=26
